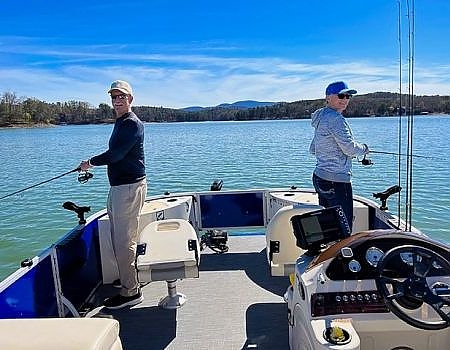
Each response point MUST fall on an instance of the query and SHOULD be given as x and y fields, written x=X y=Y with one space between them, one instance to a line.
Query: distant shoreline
x=110 y=121
x=80 y=113
x=28 y=126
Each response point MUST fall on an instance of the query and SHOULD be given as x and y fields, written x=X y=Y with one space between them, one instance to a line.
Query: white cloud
x=180 y=80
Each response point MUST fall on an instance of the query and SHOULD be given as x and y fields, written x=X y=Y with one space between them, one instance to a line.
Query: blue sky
x=203 y=53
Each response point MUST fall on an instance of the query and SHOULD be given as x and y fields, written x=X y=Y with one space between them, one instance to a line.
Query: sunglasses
x=342 y=96
x=120 y=97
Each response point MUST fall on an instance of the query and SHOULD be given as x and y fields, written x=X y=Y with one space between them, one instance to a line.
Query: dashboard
x=357 y=257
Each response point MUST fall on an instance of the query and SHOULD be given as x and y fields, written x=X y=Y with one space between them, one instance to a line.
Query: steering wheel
x=421 y=261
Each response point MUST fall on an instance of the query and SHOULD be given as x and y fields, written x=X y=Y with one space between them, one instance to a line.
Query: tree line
x=15 y=111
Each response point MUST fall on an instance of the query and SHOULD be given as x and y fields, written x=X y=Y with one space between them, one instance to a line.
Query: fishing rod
x=83 y=177
x=368 y=161
x=401 y=154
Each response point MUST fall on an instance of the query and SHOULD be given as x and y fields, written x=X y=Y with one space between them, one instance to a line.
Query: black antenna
x=409 y=167
x=413 y=24
x=400 y=110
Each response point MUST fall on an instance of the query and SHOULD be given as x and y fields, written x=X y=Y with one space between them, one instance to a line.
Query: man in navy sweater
x=126 y=174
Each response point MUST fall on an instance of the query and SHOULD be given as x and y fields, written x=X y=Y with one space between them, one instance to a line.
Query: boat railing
x=60 y=281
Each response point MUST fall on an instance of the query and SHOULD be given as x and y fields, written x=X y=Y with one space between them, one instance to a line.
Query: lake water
x=189 y=156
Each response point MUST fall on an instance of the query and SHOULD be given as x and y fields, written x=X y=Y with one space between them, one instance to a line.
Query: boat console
x=375 y=289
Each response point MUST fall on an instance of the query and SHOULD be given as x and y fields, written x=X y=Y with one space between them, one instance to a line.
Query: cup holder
x=337 y=335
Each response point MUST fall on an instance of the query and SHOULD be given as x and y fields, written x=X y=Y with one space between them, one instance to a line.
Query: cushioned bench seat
x=168 y=250
x=282 y=250
x=167 y=253
x=60 y=334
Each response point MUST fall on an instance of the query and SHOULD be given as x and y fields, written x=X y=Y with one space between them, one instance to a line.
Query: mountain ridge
x=244 y=104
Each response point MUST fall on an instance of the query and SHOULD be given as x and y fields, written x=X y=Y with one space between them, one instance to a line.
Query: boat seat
x=60 y=333
x=282 y=250
x=168 y=250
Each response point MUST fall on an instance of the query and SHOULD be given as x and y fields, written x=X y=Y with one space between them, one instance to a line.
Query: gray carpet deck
x=234 y=304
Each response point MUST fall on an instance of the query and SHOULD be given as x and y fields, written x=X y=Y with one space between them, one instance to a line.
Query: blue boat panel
x=232 y=210
x=380 y=224
x=375 y=223
x=31 y=295
x=79 y=264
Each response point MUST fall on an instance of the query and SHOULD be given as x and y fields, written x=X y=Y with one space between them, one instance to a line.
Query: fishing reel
x=365 y=161
x=216 y=240
x=84 y=176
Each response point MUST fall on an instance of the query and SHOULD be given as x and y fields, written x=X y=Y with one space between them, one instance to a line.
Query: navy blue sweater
x=125 y=155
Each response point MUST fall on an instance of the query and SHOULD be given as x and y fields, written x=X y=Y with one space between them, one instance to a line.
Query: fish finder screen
x=319 y=227
x=313 y=230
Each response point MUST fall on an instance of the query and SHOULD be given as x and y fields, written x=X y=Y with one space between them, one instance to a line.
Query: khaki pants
x=124 y=206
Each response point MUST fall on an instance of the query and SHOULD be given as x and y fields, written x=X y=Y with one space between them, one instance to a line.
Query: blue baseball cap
x=339 y=87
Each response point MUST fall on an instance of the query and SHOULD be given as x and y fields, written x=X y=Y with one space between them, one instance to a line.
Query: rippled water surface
x=189 y=156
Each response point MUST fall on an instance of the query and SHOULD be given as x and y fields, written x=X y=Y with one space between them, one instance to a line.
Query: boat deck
x=234 y=304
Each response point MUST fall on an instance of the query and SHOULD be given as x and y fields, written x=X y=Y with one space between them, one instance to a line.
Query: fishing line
x=401 y=154
x=366 y=161
x=408 y=110
x=83 y=177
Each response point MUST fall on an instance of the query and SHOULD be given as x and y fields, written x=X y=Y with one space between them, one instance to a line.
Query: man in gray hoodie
x=334 y=147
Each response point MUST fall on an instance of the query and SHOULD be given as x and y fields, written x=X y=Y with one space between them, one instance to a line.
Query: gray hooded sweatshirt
x=334 y=146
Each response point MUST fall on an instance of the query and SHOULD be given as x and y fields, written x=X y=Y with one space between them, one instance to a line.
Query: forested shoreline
x=17 y=112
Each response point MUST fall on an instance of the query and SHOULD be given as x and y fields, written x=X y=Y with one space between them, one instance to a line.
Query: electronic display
x=319 y=227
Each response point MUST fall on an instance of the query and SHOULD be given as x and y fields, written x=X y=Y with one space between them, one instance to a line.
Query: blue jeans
x=335 y=193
